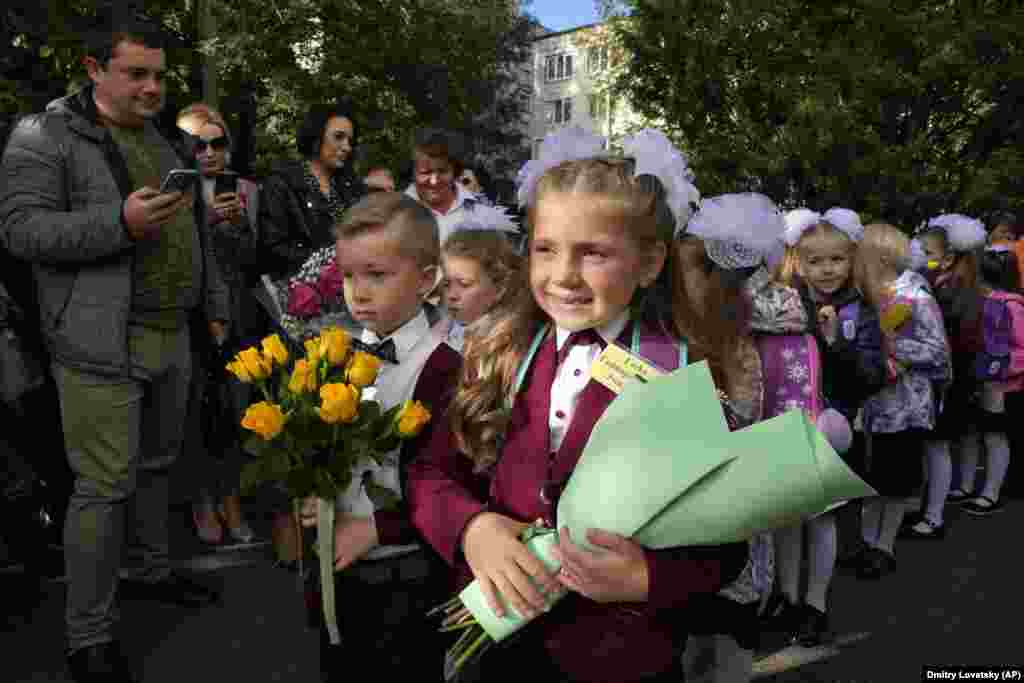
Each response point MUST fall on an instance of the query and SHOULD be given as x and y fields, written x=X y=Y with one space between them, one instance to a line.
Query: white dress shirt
x=414 y=344
x=572 y=376
x=457 y=213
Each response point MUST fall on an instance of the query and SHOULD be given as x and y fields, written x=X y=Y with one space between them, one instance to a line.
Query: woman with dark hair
x=301 y=201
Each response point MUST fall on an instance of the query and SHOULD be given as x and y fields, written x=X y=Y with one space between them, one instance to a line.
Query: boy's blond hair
x=414 y=223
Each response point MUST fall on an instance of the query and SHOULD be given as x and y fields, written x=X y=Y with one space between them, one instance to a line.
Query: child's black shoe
x=813 y=629
x=982 y=506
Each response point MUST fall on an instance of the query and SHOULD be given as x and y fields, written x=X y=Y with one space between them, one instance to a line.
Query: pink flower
x=329 y=285
x=303 y=301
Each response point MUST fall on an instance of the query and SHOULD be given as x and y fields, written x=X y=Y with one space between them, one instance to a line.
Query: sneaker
x=982 y=506
x=925 y=528
x=957 y=496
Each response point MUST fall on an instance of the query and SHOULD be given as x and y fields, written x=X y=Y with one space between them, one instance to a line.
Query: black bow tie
x=587 y=337
x=384 y=350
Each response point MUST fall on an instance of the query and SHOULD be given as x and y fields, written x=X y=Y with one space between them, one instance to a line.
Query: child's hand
x=502 y=563
x=353 y=538
x=618 y=574
x=828 y=323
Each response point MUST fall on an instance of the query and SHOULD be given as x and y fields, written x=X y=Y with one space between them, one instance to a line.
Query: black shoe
x=176 y=589
x=982 y=506
x=957 y=497
x=101 y=663
x=813 y=629
x=876 y=563
x=779 y=621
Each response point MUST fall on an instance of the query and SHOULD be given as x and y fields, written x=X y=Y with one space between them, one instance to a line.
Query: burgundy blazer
x=433 y=388
x=586 y=640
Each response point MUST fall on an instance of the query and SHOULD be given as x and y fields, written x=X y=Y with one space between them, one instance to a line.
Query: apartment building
x=564 y=88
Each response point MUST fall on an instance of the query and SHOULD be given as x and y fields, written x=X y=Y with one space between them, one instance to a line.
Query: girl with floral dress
x=902 y=416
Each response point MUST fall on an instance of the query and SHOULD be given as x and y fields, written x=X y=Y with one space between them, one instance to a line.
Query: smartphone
x=179 y=180
x=225 y=183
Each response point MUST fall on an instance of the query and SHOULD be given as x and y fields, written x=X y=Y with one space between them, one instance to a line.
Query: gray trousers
x=122 y=435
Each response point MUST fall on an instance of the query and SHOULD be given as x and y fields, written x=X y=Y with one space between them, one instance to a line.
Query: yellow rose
x=266 y=419
x=255 y=363
x=303 y=377
x=411 y=419
x=273 y=348
x=334 y=344
x=237 y=368
x=313 y=352
x=339 y=403
x=362 y=369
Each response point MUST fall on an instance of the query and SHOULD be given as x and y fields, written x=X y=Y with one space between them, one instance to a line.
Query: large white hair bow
x=738 y=229
x=485 y=217
x=655 y=155
x=565 y=144
x=963 y=232
x=801 y=220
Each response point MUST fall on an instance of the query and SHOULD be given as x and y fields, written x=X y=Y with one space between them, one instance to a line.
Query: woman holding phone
x=211 y=444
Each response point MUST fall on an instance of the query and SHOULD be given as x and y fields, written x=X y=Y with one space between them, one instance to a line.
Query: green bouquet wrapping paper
x=662 y=467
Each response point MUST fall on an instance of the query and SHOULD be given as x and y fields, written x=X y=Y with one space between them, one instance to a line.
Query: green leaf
x=382 y=497
x=257 y=446
x=369 y=411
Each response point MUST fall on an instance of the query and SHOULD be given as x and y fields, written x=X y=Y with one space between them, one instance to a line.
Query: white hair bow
x=801 y=220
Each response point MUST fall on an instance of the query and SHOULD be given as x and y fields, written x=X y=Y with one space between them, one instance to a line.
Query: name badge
x=616 y=366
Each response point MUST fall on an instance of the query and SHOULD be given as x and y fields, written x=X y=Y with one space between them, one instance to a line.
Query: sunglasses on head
x=216 y=144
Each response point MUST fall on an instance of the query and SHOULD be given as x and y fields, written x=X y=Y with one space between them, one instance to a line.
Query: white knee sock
x=788 y=544
x=970 y=444
x=997 y=461
x=821 y=541
x=940 y=474
x=871 y=519
x=892 y=517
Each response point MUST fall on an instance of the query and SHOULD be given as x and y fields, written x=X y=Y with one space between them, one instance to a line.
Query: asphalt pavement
x=950 y=602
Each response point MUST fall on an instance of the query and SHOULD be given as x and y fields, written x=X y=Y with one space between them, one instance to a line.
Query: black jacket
x=853 y=367
x=296 y=220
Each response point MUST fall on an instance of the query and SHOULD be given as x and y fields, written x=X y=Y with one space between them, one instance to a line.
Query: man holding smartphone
x=119 y=268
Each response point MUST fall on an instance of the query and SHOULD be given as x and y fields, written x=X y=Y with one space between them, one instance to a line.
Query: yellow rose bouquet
x=313 y=430
x=312 y=426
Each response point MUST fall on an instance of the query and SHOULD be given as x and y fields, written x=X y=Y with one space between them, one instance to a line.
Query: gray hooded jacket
x=62 y=188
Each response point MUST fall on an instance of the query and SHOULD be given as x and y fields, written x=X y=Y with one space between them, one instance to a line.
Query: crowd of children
x=903 y=352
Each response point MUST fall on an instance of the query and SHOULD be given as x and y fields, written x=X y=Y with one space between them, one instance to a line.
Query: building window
x=597 y=59
x=598 y=106
x=558 y=67
x=563 y=110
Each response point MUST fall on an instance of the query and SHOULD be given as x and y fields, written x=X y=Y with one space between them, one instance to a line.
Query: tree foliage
x=898 y=108
x=401 y=64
